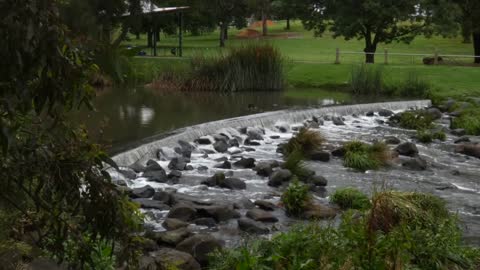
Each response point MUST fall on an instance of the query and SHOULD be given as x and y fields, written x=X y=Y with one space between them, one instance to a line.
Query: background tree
x=286 y=9
x=379 y=21
x=471 y=24
x=227 y=12
x=262 y=8
x=52 y=184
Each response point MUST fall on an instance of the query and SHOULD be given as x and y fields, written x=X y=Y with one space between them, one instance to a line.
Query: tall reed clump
x=363 y=157
x=295 y=198
x=367 y=80
x=307 y=141
x=414 y=86
x=247 y=68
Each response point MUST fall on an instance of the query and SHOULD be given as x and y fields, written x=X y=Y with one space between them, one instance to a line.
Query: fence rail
x=433 y=58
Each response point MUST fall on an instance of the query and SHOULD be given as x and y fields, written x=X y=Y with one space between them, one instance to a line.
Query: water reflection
x=126 y=115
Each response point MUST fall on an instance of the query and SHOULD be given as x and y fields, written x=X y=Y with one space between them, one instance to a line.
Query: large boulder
x=143 y=192
x=320 y=156
x=218 y=212
x=244 y=203
x=224 y=165
x=261 y=215
x=338 y=121
x=407 y=149
x=472 y=150
x=265 y=205
x=434 y=113
x=151 y=204
x=152 y=165
x=315 y=212
x=178 y=164
x=182 y=212
x=159 y=176
x=208 y=222
x=233 y=183
x=167 y=258
x=169 y=238
x=220 y=146
x=253 y=227
x=415 y=163
x=200 y=246
x=246 y=163
x=279 y=177
x=214 y=180
x=385 y=113
x=173 y=224
x=392 y=140
x=339 y=152
x=255 y=134
x=318 y=181
x=264 y=168
x=205 y=140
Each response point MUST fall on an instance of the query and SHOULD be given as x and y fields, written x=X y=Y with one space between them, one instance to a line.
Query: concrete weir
x=147 y=148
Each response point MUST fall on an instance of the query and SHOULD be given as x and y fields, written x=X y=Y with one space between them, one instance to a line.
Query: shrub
x=415 y=120
x=363 y=157
x=294 y=163
x=247 y=68
x=295 y=198
x=427 y=136
x=366 y=80
x=306 y=141
x=350 y=198
x=468 y=120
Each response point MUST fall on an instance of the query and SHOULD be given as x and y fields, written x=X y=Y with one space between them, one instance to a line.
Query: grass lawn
x=310 y=60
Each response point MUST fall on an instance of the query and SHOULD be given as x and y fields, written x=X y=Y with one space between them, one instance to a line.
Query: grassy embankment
x=311 y=60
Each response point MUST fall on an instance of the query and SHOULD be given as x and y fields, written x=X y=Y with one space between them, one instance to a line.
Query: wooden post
x=337 y=56
x=386 y=56
x=435 y=57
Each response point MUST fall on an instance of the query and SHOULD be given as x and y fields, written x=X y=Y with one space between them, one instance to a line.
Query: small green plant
x=295 y=164
x=415 y=120
x=351 y=198
x=295 y=198
x=306 y=141
x=363 y=157
x=468 y=120
x=366 y=80
x=427 y=136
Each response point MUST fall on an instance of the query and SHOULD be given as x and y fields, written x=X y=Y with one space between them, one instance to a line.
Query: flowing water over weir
x=451 y=176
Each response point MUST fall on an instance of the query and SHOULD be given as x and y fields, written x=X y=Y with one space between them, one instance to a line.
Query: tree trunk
x=149 y=39
x=467 y=31
x=157 y=35
x=222 y=35
x=137 y=35
x=264 y=24
x=476 y=46
x=370 y=54
x=225 y=33
x=288 y=24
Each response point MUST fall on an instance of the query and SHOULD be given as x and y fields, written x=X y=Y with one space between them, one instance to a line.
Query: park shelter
x=150 y=9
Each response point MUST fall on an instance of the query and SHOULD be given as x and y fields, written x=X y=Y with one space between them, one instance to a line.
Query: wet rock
x=255 y=134
x=128 y=173
x=249 y=149
x=214 y=180
x=173 y=224
x=143 y=192
x=174 y=174
x=156 y=176
x=244 y=203
x=279 y=177
x=208 y=222
x=233 y=143
x=459 y=132
x=200 y=246
x=435 y=113
x=283 y=127
x=370 y=114
x=316 y=212
x=218 y=212
x=281 y=148
x=205 y=140
x=120 y=182
x=171 y=238
x=274 y=137
x=261 y=215
x=182 y=212
x=151 y=204
x=246 y=163
x=137 y=167
x=392 y=140
x=178 y=164
x=378 y=121
x=152 y=165
x=233 y=184
x=242 y=130
x=320 y=156
x=224 y=165
x=339 y=152
x=469 y=150
x=221 y=137
x=318 y=181
x=167 y=258
x=264 y=169
x=166 y=153
x=463 y=139
x=385 y=113
x=407 y=149
x=338 y=121
x=202 y=168
x=253 y=227
x=234 y=151
x=265 y=205
x=416 y=164
x=312 y=124
x=188 y=199
x=163 y=196
x=250 y=142
x=222 y=159
x=220 y=146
